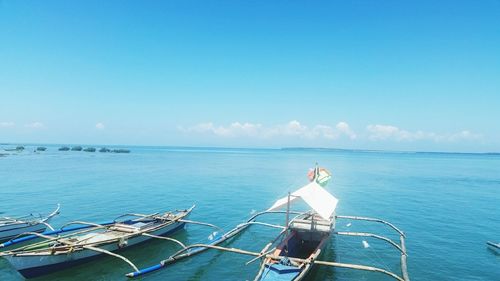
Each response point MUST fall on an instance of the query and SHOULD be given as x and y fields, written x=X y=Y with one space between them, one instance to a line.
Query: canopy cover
x=320 y=200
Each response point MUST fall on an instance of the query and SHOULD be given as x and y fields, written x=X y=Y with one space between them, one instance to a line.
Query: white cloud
x=344 y=128
x=233 y=130
x=100 y=126
x=6 y=124
x=294 y=128
x=387 y=132
x=383 y=132
x=291 y=129
x=464 y=135
x=35 y=125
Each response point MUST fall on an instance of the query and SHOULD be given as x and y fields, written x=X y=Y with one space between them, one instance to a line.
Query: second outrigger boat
x=299 y=245
x=78 y=241
x=11 y=227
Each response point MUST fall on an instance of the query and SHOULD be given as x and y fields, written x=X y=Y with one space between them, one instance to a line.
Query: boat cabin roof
x=320 y=200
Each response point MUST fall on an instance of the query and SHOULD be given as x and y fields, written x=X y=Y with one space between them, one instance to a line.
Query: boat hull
x=31 y=266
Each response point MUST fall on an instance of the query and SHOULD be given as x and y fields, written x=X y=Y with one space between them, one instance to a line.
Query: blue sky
x=411 y=75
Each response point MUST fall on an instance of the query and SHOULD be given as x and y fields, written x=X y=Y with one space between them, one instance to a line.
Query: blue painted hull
x=298 y=248
x=278 y=272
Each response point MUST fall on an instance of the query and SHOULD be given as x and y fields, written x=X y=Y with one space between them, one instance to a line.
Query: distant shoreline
x=384 y=151
x=292 y=148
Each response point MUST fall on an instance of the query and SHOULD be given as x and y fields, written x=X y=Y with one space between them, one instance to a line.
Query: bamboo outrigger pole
x=365 y=234
x=404 y=268
x=373 y=220
x=402 y=236
x=102 y=251
x=165 y=238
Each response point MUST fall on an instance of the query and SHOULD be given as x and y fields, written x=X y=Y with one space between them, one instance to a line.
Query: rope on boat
x=364 y=234
x=165 y=238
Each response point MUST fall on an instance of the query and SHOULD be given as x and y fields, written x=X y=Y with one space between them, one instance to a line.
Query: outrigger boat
x=301 y=240
x=77 y=242
x=12 y=227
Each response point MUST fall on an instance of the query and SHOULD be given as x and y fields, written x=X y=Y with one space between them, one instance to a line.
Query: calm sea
x=447 y=204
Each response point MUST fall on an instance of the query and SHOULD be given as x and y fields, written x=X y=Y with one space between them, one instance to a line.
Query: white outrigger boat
x=78 y=242
x=296 y=249
x=12 y=227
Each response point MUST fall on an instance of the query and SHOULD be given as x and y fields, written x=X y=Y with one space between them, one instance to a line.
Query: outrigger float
x=12 y=227
x=298 y=246
x=78 y=242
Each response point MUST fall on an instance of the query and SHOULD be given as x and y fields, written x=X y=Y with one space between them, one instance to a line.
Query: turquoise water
x=448 y=205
